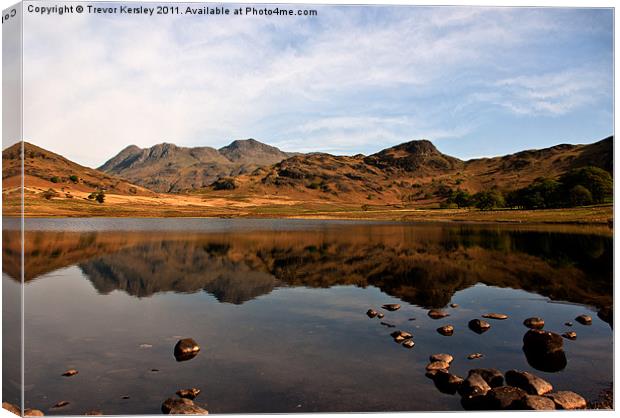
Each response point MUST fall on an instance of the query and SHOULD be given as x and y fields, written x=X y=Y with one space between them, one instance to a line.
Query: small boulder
x=584 y=319
x=408 y=343
x=570 y=335
x=12 y=408
x=70 y=372
x=447 y=382
x=438 y=365
x=188 y=393
x=493 y=377
x=568 y=324
x=474 y=356
x=534 y=323
x=442 y=357
x=454 y=305
x=371 y=313
x=30 y=412
x=567 y=400
x=182 y=406
x=505 y=397
x=400 y=336
x=473 y=386
x=186 y=349
x=535 y=403
x=529 y=382
x=479 y=325
x=493 y=315
x=446 y=330
x=380 y=315
x=437 y=313
x=542 y=341
x=391 y=306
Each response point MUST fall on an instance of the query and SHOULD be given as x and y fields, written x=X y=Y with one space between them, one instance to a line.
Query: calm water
x=278 y=308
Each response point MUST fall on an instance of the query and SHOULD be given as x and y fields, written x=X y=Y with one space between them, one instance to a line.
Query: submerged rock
x=182 y=406
x=371 y=313
x=492 y=315
x=479 y=325
x=529 y=382
x=12 y=408
x=385 y=324
x=504 y=397
x=391 y=306
x=474 y=356
x=535 y=402
x=437 y=313
x=446 y=330
x=186 y=349
x=584 y=319
x=570 y=335
x=568 y=324
x=60 y=404
x=567 y=400
x=442 y=357
x=30 y=412
x=534 y=323
x=70 y=372
x=493 y=377
x=188 y=393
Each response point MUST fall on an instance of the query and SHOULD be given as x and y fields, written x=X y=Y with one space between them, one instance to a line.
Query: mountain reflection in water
x=421 y=265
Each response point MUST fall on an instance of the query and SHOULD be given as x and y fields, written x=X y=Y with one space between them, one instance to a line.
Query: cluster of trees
x=578 y=187
x=99 y=196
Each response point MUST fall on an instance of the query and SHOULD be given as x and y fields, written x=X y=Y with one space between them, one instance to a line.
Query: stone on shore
x=70 y=372
x=391 y=306
x=493 y=315
x=188 y=393
x=536 y=403
x=567 y=400
x=437 y=313
x=446 y=330
x=529 y=382
x=371 y=313
x=493 y=377
x=186 y=349
x=479 y=325
x=534 y=323
x=584 y=319
x=182 y=406
x=442 y=357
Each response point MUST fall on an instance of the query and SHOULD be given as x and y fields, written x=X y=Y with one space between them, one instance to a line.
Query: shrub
x=55 y=179
x=73 y=178
x=224 y=184
x=49 y=194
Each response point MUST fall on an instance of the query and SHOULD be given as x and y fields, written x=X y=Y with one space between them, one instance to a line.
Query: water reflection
x=424 y=266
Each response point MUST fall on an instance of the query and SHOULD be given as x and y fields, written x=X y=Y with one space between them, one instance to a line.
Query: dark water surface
x=278 y=308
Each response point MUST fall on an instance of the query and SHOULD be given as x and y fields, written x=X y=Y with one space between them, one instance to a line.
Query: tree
x=598 y=182
x=489 y=200
x=54 y=179
x=99 y=196
x=73 y=178
x=579 y=196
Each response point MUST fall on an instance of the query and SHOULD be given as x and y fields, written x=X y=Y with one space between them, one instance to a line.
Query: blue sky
x=475 y=81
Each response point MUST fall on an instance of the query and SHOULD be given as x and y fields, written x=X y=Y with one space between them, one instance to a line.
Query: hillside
x=167 y=168
x=45 y=170
x=412 y=172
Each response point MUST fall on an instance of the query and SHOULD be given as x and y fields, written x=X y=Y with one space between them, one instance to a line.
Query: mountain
x=168 y=168
x=46 y=170
x=413 y=171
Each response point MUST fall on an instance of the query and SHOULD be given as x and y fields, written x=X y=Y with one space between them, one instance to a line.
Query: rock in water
x=534 y=322
x=543 y=350
x=408 y=343
x=437 y=313
x=182 y=406
x=493 y=377
x=542 y=341
x=479 y=326
x=391 y=306
x=33 y=413
x=568 y=324
x=12 y=408
x=70 y=372
x=188 y=393
x=380 y=315
x=474 y=385
x=584 y=319
x=454 y=305
x=400 y=336
x=535 y=402
x=505 y=397
x=442 y=357
x=567 y=400
x=446 y=382
x=529 y=382
x=186 y=349
x=94 y=412
x=438 y=365
x=60 y=404
x=495 y=316
x=446 y=330
x=474 y=356
x=570 y=335
x=371 y=313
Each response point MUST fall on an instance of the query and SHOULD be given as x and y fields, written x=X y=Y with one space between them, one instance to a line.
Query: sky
x=353 y=79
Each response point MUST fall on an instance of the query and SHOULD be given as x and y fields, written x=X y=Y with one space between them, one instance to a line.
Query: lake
x=279 y=310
